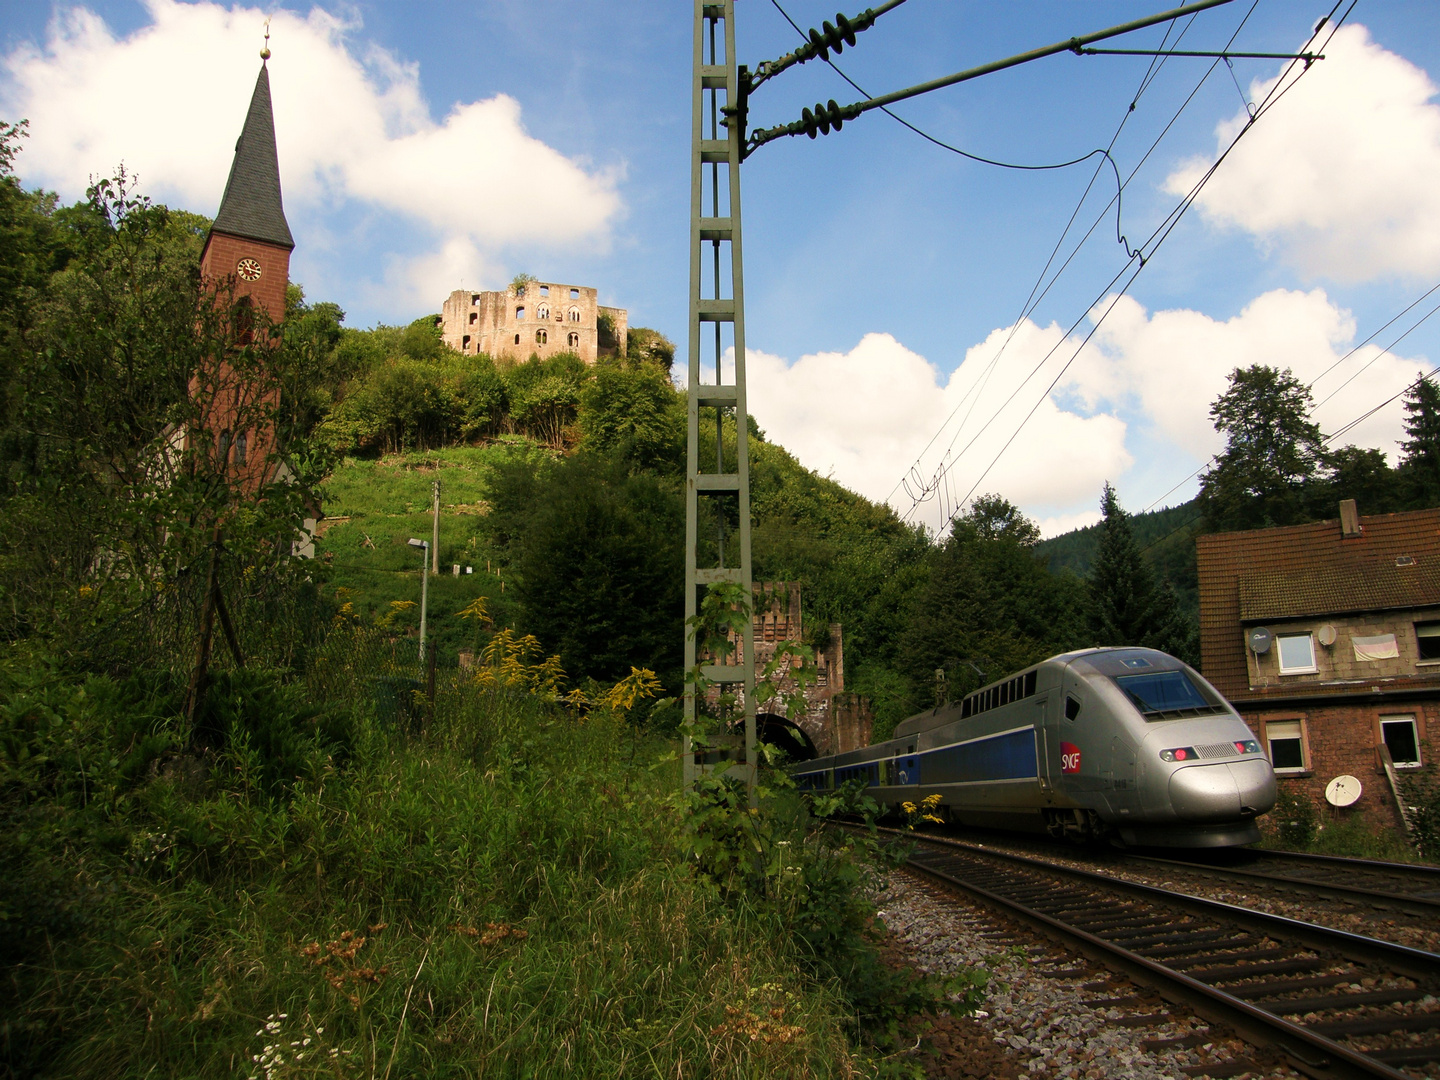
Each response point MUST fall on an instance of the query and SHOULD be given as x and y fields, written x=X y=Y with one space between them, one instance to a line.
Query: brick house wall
x=1338 y=580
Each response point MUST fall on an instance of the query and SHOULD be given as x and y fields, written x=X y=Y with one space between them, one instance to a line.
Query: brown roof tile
x=1308 y=570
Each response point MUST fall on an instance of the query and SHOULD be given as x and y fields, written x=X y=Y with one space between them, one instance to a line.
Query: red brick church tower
x=247 y=261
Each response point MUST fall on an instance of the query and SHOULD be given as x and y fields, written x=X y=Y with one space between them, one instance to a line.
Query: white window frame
x=1306 y=669
x=1398 y=718
x=1300 y=733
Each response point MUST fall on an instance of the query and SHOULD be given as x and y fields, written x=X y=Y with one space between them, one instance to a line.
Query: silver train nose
x=1223 y=791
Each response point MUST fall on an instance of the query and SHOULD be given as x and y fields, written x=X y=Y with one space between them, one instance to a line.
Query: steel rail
x=1308 y=1050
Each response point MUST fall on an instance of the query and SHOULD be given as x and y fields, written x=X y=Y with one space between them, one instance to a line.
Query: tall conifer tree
x=1420 y=450
x=1128 y=606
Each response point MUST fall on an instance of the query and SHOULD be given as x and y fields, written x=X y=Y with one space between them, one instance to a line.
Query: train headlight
x=1180 y=753
x=1247 y=746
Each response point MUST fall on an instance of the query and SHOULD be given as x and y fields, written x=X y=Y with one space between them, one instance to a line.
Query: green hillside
x=1166 y=536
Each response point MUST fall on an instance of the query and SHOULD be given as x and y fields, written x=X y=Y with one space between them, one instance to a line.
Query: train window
x=1161 y=692
x=966 y=707
x=1030 y=682
x=1287 y=745
x=1427 y=637
x=1400 y=740
x=1072 y=707
x=1297 y=654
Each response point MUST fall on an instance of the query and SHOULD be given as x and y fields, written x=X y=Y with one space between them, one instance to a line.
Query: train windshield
x=1163 y=692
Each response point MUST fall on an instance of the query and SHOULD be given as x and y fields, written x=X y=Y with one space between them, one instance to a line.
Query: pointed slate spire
x=251 y=207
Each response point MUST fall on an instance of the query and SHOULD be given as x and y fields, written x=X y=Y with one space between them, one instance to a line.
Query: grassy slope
x=373 y=507
x=501 y=896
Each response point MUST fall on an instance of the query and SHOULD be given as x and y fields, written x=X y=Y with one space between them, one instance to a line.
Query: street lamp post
x=424 y=546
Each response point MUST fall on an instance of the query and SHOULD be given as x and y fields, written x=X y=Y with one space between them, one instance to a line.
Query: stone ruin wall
x=835 y=721
x=546 y=319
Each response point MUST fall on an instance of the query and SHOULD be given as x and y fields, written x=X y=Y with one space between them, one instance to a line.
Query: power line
x=1033 y=301
x=1164 y=230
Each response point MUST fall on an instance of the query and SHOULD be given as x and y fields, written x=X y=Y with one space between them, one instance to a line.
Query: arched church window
x=574 y=340
x=542 y=312
x=540 y=337
x=574 y=314
x=222 y=448
x=241 y=445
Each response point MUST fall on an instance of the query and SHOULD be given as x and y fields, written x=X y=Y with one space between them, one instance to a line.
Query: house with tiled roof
x=1326 y=638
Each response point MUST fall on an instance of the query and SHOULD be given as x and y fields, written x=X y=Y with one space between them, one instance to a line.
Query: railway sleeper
x=1296 y=1006
x=1176 y=955
x=1146 y=921
x=1221 y=1070
x=1142 y=943
x=1215 y=976
x=1289 y=986
x=1378 y=1025
x=1183 y=1042
x=1408 y=1055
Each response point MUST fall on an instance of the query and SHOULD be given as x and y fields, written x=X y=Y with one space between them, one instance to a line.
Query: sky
x=922 y=327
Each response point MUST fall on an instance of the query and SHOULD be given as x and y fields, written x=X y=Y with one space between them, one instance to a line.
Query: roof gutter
x=1374 y=694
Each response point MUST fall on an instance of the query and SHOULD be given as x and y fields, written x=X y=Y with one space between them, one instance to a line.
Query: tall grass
x=493 y=892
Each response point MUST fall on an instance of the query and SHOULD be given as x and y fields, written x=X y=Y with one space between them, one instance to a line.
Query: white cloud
x=1169 y=366
x=1340 y=177
x=864 y=416
x=353 y=130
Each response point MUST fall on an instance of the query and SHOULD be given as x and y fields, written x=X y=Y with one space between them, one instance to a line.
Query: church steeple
x=251 y=207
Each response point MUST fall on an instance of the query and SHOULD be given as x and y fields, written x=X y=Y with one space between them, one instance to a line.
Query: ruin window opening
x=574 y=294
x=541 y=337
x=542 y=312
x=573 y=340
x=544 y=290
x=517 y=339
x=574 y=314
x=519 y=314
x=473 y=317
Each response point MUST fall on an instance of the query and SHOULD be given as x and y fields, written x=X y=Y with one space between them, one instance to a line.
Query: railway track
x=1334 y=1004
x=1404 y=887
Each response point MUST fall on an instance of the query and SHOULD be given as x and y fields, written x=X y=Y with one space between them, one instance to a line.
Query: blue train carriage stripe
x=1007 y=755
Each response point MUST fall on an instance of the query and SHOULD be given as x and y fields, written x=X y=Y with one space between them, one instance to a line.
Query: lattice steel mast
x=717 y=299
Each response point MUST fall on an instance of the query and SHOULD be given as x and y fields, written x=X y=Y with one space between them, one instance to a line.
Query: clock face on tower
x=248 y=269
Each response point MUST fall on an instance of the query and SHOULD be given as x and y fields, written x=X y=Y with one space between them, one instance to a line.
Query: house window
x=1401 y=740
x=542 y=312
x=574 y=314
x=519 y=314
x=1427 y=637
x=574 y=294
x=540 y=337
x=1287 y=745
x=241 y=442
x=1297 y=654
x=573 y=340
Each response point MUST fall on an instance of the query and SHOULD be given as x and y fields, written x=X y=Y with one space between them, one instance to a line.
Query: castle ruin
x=534 y=318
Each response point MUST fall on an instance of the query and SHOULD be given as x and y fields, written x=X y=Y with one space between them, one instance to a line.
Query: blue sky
x=426 y=146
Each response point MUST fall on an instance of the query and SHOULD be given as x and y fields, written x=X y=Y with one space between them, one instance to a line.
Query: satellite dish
x=1260 y=639
x=1327 y=635
x=1342 y=791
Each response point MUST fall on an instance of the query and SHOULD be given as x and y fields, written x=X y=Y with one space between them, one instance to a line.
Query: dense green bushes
x=499 y=894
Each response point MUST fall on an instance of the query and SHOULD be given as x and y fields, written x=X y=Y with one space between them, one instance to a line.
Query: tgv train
x=1127 y=743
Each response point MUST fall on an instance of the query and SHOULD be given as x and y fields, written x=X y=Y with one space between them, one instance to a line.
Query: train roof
x=1106 y=660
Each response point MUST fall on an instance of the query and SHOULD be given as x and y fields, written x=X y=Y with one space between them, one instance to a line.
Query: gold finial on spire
x=265 y=52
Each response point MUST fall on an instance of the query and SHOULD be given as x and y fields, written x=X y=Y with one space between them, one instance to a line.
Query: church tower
x=250 y=238
x=246 y=261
